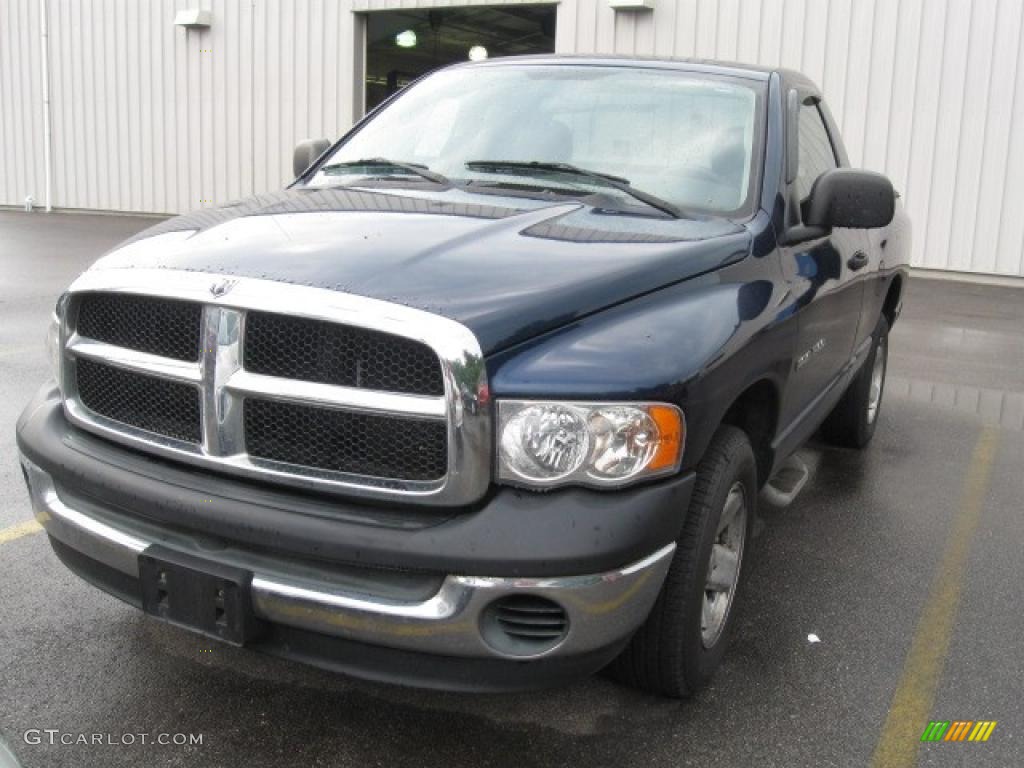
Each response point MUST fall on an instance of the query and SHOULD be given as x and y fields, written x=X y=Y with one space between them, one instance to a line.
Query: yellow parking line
x=922 y=669
x=19 y=530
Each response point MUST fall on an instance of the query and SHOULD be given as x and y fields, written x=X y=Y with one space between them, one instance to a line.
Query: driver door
x=823 y=275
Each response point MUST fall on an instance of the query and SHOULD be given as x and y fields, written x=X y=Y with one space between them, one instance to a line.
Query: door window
x=816 y=153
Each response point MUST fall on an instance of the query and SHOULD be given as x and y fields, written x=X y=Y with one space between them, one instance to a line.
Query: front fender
x=697 y=344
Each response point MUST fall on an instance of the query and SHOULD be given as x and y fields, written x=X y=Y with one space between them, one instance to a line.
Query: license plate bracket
x=198 y=594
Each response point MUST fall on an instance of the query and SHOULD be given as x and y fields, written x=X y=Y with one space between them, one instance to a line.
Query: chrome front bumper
x=602 y=609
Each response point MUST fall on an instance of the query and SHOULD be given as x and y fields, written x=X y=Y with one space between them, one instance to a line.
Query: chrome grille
x=293 y=384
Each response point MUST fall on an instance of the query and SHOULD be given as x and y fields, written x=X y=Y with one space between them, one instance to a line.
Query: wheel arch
x=756 y=411
x=893 y=299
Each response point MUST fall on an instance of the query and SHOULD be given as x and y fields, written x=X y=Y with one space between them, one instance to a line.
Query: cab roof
x=789 y=77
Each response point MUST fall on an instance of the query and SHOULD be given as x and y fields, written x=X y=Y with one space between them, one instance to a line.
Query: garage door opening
x=403 y=45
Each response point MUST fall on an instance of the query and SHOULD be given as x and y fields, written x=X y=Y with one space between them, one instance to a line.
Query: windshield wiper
x=607 y=179
x=416 y=169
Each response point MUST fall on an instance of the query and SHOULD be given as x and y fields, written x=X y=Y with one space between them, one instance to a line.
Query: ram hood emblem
x=221 y=287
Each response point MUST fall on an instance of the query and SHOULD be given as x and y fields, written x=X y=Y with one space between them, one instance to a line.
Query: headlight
x=544 y=444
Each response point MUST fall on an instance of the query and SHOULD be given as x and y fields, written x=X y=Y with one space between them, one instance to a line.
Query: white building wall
x=21 y=103
x=149 y=117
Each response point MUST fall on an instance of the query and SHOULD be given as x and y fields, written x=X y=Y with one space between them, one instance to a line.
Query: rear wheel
x=682 y=642
x=852 y=422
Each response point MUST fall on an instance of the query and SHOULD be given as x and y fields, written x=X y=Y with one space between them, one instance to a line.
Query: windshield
x=687 y=138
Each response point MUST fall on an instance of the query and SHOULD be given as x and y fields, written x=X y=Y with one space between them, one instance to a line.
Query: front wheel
x=682 y=642
x=852 y=422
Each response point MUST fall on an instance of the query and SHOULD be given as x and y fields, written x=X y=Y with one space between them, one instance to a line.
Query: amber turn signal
x=671 y=434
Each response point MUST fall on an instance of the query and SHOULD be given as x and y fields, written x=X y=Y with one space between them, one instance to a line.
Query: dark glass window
x=816 y=153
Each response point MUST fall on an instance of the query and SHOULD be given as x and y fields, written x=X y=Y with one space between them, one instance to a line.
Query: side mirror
x=306 y=152
x=845 y=197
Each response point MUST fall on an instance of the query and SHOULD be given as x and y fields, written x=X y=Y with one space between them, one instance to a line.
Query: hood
x=508 y=268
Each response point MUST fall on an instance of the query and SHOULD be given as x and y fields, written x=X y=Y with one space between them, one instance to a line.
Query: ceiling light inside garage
x=406 y=39
x=477 y=53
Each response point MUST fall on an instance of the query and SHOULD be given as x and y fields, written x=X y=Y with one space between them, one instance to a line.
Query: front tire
x=851 y=424
x=681 y=644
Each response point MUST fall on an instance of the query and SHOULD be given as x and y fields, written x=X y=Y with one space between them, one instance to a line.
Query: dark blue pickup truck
x=485 y=399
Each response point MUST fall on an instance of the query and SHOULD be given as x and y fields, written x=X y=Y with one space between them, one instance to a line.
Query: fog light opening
x=524 y=625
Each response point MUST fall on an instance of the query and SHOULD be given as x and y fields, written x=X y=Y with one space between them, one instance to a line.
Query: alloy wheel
x=724 y=567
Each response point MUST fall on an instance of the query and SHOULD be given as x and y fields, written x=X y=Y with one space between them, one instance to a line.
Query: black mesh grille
x=165 y=407
x=312 y=350
x=377 y=446
x=164 y=327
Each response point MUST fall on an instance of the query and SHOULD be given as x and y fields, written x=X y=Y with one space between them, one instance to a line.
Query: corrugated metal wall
x=150 y=117
x=21 y=103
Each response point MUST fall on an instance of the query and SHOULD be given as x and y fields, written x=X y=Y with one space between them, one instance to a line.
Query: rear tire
x=851 y=424
x=681 y=644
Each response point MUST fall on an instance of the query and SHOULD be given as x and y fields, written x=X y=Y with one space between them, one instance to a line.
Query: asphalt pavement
x=905 y=561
